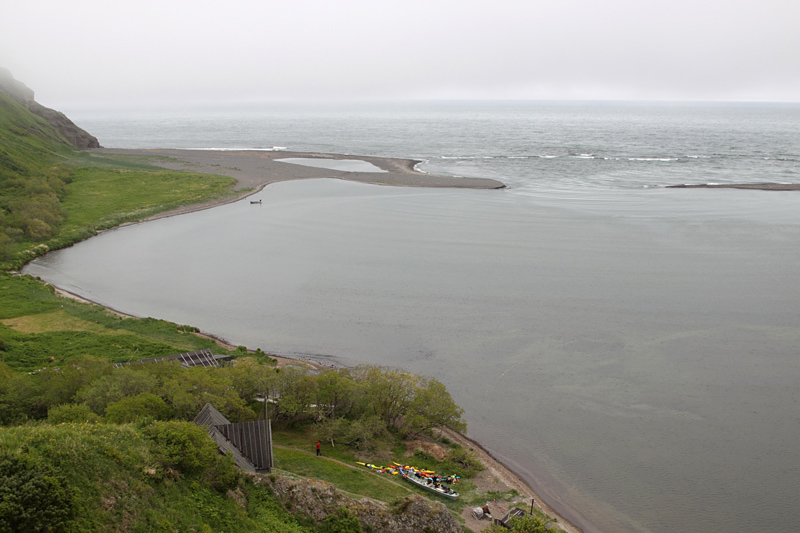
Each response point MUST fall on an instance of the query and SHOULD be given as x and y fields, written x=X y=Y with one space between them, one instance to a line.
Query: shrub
x=182 y=446
x=71 y=412
x=133 y=408
x=364 y=432
x=32 y=497
x=223 y=475
x=187 y=448
x=343 y=521
x=463 y=462
x=525 y=524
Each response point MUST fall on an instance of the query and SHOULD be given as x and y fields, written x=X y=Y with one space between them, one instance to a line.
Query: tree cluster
x=353 y=406
x=360 y=404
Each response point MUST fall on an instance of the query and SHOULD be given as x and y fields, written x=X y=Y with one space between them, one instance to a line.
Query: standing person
x=318 y=449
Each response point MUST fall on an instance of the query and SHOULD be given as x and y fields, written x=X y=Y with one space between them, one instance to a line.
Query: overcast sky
x=164 y=51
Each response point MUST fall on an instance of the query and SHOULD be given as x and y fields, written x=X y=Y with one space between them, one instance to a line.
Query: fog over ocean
x=630 y=349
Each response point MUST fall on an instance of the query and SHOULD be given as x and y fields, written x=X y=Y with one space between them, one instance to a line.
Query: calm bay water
x=631 y=350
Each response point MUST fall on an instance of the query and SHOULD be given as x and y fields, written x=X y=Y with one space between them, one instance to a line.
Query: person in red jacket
x=318 y=448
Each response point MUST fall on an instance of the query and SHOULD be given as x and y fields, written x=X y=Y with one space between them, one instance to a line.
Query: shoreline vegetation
x=57 y=351
x=255 y=170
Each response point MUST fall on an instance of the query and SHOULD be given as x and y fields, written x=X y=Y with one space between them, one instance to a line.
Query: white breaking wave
x=273 y=149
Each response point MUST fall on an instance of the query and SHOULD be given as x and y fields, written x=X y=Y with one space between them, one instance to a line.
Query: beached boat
x=428 y=484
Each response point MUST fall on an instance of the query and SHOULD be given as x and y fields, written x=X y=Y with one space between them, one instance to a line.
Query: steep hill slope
x=65 y=130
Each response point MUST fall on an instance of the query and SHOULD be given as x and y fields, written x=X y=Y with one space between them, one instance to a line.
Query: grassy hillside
x=99 y=477
x=38 y=328
x=28 y=144
x=52 y=196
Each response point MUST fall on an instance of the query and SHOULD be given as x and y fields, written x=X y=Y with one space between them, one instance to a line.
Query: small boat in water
x=428 y=484
x=255 y=201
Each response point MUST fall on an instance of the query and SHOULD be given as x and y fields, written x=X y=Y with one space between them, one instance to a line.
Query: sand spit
x=255 y=169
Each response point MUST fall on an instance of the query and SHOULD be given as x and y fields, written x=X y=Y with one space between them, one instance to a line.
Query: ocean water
x=630 y=349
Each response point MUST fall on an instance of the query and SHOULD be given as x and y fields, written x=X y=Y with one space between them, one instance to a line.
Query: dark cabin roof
x=250 y=443
x=187 y=359
x=209 y=416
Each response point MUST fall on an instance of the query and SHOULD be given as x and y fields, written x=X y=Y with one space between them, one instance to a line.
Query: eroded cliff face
x=72 y=134
x=320 y=499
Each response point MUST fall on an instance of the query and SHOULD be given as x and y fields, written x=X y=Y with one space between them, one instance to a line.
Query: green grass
x=27 y=142
x=102 y=197
x=301 y=460
x=303 y=438
x=356 y=481
x=52 y=196
x=37 y=325
x=91 y=192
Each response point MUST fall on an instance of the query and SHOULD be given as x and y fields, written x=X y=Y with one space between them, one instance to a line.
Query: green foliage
x=190 y=390
x=142 y=406
x=462 y=463
x=182 y=446
x=10 y=407
x=251 y=378
x=71 y=412
x=371 y=399
x=363 y=432
x=32 y=180
x=115 y=386
x=107 y=473
x=331 y=429
x=38 y=392
x=525 y=524
x=342 y=521
x=431 y=407
x=33 y=497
